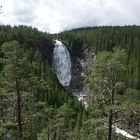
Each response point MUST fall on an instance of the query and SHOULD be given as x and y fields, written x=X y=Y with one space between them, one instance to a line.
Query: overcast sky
x=58 y=15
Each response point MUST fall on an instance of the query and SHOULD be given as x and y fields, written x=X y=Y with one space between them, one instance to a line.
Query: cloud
x=58 y=15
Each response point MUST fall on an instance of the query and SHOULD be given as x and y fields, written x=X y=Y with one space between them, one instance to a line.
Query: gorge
x=64 y=92
x=62 y=67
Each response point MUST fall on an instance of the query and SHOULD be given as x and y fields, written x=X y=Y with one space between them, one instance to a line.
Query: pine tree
x=16 y=76
x=104 y=78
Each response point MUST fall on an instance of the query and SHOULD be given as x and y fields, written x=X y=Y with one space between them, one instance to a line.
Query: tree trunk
x=19 y=111
x=48 y=132
x=110 y=114
x=110 y=124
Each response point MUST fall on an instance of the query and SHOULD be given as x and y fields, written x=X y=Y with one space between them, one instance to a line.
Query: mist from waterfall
x=62 y=63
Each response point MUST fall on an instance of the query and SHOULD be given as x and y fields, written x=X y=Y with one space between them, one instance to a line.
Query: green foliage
x=43 y=101
x=108 y=87
x=48 y=111
x=105 y=73
x=97 y=39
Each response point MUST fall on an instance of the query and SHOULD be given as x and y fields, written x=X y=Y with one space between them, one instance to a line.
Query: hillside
x=97 y=39
x=50 y=111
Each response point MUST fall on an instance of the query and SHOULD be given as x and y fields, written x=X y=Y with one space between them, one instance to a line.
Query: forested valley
x=35 y=106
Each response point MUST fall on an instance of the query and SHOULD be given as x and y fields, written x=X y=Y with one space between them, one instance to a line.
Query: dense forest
x=34 y=105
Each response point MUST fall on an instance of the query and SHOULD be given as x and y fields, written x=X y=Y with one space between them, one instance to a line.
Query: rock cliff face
x=77 y=86
x=79 y=65
x=79 y=59
x=77 y=80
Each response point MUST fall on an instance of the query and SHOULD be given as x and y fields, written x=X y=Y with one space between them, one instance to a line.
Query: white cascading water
x=62 y=63
x=62 y=68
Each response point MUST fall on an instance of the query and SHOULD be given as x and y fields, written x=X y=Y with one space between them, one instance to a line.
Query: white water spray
x=62 y=63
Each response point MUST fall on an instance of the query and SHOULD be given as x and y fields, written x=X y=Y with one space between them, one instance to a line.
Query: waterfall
x=62 y=63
